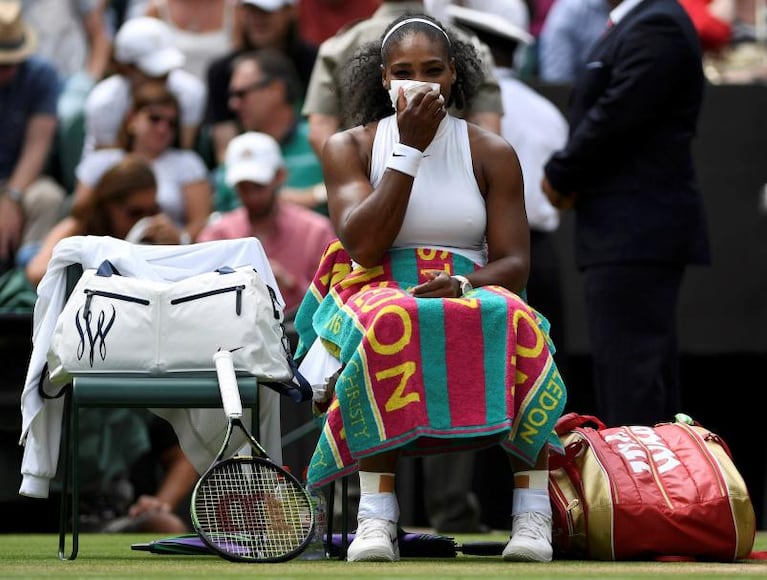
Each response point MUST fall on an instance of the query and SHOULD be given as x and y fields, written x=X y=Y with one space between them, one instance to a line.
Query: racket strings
x=252 y=511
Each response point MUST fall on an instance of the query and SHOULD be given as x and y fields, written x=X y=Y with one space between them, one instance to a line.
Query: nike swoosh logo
x=232 y=349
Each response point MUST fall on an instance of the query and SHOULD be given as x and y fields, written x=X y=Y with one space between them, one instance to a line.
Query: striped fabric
x=422 y=374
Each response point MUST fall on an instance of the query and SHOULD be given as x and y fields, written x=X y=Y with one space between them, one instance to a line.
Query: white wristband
x=405 y=159
x=319 y=193
x=184 y=238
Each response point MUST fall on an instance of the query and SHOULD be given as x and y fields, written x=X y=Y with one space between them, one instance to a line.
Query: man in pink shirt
x=293 y=237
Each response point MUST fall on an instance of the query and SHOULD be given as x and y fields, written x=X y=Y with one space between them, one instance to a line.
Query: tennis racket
x=247 y=508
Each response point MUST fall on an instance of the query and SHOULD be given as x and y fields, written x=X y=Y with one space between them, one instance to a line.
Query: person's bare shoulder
x=357 y=140
x=491 y=156
x=484 y=138
x=489 y=146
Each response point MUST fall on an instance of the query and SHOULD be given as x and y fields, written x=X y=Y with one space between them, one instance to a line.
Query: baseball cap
x=17 y=40
x=252 y=157
x=148 y=43
x=504 y=18
x=269 y=5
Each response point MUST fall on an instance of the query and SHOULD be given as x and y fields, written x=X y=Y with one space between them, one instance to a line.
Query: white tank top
x=446 y=208
x=200 y=48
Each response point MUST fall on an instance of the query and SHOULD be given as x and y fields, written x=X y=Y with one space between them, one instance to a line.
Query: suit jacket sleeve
x=623 y=92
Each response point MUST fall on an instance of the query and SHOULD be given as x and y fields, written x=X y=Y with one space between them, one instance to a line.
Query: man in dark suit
x=627 y=169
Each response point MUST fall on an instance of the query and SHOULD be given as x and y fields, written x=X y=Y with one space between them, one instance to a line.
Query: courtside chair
x=114 y=391
x=344 y=546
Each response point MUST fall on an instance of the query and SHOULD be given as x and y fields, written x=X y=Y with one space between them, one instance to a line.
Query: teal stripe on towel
x=493 y=331
x=435 y=373
x=405 y=268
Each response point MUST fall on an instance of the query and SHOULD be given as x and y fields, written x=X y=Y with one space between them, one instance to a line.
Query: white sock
x=375 y=503
x=530 y=500
x=382 y=506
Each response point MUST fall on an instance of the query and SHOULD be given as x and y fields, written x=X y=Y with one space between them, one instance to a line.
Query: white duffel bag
x=117 y=324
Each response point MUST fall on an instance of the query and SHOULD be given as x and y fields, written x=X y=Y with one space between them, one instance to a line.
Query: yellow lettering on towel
x=533 y=351
x=399 y=344
x=404 y=371
x=429 y=254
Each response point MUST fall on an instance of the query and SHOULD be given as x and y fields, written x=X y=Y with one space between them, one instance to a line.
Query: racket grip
x=483 y=548
x=227 y=383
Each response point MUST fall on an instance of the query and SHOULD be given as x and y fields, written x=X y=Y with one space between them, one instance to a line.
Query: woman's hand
x=420 y=117
x=148 y=504
x=439 y=285
x=162 y=230
x=555 y=197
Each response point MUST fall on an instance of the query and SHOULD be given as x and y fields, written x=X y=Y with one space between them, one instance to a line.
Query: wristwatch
x=465 y=285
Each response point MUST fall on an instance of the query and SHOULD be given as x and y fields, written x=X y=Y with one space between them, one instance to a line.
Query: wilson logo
x=639 y=445
x=93 y=334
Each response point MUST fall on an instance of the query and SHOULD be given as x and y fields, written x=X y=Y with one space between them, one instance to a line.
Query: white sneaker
x=530 y=539
x=374 y=541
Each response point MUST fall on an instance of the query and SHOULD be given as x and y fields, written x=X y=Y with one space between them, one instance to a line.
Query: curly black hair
x=363 y=96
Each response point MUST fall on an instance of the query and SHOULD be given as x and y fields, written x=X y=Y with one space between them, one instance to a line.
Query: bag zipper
x=91 y=293
x=700 y=442
x=273 y=296
x=564 y=510
x=238 y=300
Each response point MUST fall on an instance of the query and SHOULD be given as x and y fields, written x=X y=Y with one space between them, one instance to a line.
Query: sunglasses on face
x=255 y=86
x=137 y=212
x=156 y=118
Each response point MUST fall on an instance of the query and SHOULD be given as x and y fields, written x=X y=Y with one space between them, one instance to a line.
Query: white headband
x=410 y=21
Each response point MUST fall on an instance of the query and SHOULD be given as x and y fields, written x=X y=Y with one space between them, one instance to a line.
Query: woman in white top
x=150 y=130
x=202 y=29
x=121 y=197
x=420 y=300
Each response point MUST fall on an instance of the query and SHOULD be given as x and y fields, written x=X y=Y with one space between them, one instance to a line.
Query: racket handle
x=227 y=383
x=482 y=548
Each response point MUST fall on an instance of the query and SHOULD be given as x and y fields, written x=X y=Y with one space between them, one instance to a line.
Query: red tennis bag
x=629 y=493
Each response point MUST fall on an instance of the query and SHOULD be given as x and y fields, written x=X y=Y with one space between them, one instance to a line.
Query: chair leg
x=68 y=510
x=329 y=516
x=344 y=516
x=255 y=427
x=75 y=479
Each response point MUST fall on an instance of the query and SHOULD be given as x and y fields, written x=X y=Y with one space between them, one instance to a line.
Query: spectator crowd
x=69 y=71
